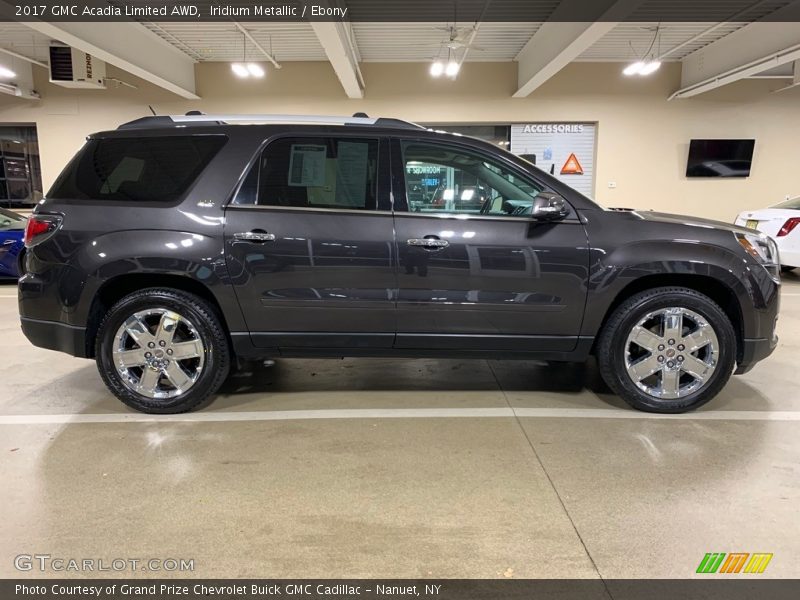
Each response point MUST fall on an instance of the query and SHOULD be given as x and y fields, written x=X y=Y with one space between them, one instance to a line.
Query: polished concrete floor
x=411 y=468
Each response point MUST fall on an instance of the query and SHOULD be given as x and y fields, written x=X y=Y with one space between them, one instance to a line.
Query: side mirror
x=549 y=206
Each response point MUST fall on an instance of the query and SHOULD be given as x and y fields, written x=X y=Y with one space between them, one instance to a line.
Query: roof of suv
x=196 y=118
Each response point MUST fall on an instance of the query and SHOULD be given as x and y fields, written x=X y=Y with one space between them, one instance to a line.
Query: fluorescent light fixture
x=437 y=68
x=633 y=69
x=6 y=73
x=452 y=68
x=449 y=194
x=240 y=70
x=255 y=70
x=650 y=67
x=467 y=195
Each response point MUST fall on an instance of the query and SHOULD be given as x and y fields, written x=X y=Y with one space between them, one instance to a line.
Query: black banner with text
x=429 y=589
x=457 y=11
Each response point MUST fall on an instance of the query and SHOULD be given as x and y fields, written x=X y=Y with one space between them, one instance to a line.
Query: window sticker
x=351 y=173
x=307 y=165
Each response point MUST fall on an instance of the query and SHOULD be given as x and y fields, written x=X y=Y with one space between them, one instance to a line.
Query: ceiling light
x=649 y=67
x=437 y=68
x=240 y=70
x=633 y=69
x=452 y=69
x=6 y=73
x=255 y=70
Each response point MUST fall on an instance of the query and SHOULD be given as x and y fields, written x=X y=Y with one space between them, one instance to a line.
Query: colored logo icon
x=735 y=562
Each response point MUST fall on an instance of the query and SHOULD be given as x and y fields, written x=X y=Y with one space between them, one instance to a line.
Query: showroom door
x=310 y=245
x=475 y=271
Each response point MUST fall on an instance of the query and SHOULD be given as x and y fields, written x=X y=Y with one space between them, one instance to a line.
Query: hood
x=648 y=215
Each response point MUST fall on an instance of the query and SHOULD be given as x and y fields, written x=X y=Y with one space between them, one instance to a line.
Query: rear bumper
x=55 y=336
x=754 y=351
x=789 y=258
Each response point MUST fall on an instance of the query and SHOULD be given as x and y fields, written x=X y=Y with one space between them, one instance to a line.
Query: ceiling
x=395 y=42
x=741 y=43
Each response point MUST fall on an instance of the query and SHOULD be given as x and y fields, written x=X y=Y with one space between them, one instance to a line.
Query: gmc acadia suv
x=174 y=248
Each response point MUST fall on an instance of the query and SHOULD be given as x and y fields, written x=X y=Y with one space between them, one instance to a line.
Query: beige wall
x=642 y=138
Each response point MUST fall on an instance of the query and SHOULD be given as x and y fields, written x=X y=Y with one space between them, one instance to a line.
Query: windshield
x=793 y=203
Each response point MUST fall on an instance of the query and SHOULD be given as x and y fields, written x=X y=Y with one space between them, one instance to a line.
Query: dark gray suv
x=174 y=248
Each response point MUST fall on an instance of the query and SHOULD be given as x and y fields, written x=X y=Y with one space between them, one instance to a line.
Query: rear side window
x=156 y=169
x=339 y=173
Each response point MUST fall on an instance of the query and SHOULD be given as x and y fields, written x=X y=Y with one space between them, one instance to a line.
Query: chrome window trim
x=445 y=216
x=306 y=209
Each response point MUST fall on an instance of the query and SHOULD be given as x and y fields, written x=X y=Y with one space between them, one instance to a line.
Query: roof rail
x=222 y=119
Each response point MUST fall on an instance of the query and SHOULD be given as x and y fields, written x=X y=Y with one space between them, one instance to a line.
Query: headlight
x=759 y=246
x=763 y=248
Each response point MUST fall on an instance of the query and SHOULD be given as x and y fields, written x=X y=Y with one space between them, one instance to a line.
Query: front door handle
x=429 y=243
x=256 y=236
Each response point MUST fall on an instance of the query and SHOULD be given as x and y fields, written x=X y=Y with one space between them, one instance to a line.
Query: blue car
x=12 y=232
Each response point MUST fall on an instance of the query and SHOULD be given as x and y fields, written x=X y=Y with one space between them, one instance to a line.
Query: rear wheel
x=786 y=269
x=667 y=350
x=162 y=351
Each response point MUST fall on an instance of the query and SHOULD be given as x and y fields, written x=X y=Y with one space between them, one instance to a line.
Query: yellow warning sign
x=572 y=166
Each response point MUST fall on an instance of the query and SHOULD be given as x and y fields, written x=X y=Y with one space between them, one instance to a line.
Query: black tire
x=611 y=347
x=787 y=269
x=217 y=353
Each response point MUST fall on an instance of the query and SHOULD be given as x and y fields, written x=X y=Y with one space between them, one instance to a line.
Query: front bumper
x=55 y=336
x=754 y=351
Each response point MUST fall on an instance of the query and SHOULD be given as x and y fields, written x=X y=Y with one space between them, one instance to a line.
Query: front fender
x=613 y=271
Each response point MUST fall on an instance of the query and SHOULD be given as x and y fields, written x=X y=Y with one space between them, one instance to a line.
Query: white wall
x=642 y=138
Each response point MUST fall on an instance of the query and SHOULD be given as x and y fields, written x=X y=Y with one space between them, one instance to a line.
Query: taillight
x=788 y=226
x=39 y=228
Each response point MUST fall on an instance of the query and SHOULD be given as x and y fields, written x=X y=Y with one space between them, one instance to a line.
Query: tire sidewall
x=153 y=300
x=726 y=359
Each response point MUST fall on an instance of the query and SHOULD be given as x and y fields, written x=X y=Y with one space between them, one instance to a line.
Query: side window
x=445 y=179
x=137 y=169
x=338 y=173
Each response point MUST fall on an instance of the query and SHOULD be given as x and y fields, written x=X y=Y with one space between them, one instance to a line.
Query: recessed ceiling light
x=240 y=70
x=255 y=70
x=452 y=68
x=633 y=69
x=6 y=73
x=650 y=67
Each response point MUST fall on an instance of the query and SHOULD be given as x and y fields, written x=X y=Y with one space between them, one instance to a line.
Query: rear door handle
x=255 y=236
x=429 y=243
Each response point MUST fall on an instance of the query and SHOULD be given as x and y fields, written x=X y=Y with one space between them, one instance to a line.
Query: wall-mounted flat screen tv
x=720 y=158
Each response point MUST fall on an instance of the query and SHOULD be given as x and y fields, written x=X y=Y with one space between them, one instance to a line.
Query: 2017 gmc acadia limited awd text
x=173 y=248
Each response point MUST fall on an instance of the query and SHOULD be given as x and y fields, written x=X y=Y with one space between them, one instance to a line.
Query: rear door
x=476 y=272
x=310 y=244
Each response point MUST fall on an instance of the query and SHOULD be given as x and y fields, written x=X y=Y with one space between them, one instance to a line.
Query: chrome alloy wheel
x=671 y=353
x=158 y=353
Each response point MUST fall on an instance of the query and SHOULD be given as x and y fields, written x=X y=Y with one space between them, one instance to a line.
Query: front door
x=475 y=271
x=310 y=244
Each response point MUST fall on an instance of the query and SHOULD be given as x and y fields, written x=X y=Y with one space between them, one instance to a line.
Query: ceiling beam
x=754 y=48
x=131 y=47
x=339 y=44
x=557 y=43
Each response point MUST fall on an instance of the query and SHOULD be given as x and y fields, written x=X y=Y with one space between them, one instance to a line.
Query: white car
x=782 y=224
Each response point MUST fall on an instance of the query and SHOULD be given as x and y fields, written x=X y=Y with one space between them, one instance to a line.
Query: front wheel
x=667 y=350
x=162 y=350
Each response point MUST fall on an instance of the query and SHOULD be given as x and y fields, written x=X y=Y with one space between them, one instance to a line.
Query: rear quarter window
x=142 y=169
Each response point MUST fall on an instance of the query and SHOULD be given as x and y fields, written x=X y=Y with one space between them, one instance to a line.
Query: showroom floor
x=406 y=468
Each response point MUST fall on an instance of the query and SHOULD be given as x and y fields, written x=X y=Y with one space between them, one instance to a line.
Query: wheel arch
x=113 y=290
x=716 y=290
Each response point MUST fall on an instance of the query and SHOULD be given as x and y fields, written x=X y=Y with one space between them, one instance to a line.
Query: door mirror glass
x=548 y=206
